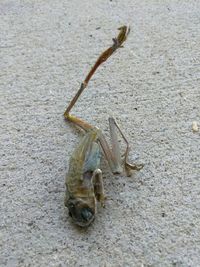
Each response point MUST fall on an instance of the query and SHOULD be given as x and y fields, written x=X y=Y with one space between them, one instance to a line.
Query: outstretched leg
x=117 y=43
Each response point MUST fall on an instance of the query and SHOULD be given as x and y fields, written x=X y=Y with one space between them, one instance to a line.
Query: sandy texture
x=151 y=86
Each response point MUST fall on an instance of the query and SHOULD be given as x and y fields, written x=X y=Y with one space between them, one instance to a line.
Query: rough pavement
x=151 y=86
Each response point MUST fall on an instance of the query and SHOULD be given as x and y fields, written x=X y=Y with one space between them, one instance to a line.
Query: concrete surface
x=152 y=88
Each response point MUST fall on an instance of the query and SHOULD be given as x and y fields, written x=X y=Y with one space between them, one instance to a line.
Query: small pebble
x=195 y=127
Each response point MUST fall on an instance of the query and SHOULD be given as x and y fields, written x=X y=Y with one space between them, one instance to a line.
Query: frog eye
x=86 y=214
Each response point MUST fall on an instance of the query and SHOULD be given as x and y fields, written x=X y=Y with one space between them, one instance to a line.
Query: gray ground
x=151 y=87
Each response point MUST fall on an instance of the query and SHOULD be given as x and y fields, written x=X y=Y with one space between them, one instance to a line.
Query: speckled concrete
x=151 y=87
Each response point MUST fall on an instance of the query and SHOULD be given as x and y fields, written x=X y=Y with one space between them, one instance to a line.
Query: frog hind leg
x=113 y=155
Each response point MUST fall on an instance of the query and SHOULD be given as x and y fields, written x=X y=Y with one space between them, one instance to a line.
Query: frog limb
x=97 y=180
x=117 y=43
x=115 y=147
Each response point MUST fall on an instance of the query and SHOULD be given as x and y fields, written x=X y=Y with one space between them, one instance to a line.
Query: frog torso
x=83 y=162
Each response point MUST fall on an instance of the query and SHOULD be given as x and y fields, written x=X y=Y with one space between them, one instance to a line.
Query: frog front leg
x=97 y=180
